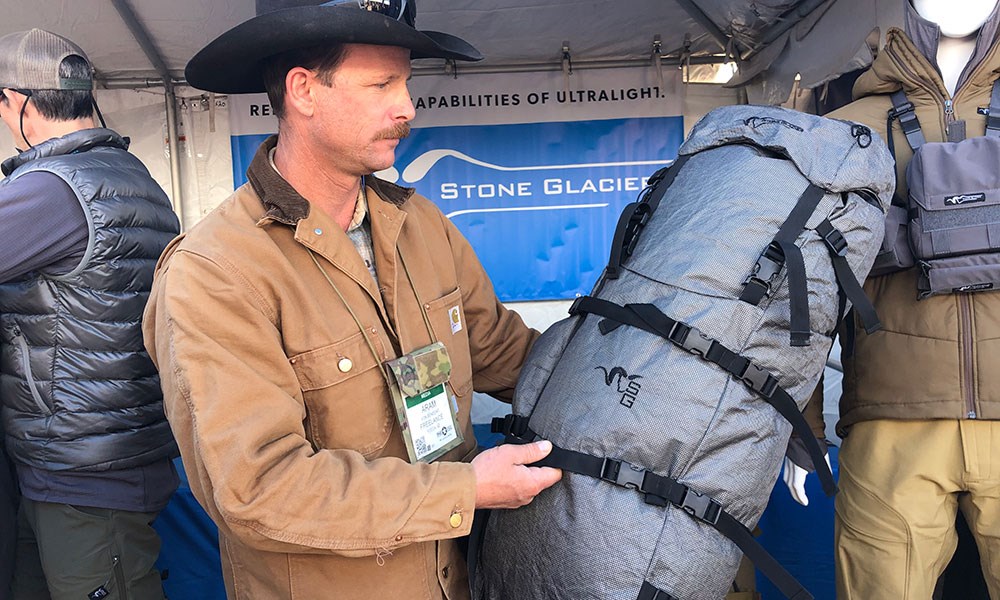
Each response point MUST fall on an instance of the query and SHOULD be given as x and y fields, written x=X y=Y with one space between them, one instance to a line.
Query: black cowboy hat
x=231 y=63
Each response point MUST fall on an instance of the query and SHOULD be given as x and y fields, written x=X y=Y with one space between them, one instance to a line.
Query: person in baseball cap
x=281 y=320
x=36 y=61
x=82 y=413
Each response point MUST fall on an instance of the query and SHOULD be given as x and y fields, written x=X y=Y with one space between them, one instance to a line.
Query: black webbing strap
x=635 y=215
x=837 y=245
x=659 y=490
x=784 y=241
x=649 y=318
x=902 y=109
x=993 y=119
x=650 y=592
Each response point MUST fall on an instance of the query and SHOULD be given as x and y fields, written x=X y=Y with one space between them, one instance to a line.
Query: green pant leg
x=83 y=549
x=29 y=579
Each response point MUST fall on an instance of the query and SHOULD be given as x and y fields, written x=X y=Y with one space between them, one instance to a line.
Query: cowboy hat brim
x=231 y=63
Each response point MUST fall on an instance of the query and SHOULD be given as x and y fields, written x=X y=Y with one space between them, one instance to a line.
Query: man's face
x=361 y=117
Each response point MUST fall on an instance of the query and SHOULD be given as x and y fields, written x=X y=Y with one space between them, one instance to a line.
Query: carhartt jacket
x=934 y=358
x=270 y=333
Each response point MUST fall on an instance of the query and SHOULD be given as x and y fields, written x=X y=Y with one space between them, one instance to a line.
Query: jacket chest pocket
x=347 y=404
x=447 y=318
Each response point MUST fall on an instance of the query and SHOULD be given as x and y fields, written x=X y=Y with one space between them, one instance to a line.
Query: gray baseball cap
x=29 y=60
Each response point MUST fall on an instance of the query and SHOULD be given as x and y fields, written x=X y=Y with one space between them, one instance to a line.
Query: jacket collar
x=926 y=35
x=285 y=205
x=78 y=141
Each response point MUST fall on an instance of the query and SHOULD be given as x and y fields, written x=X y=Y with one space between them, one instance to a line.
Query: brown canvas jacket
x=934 y=358
x=279 y=405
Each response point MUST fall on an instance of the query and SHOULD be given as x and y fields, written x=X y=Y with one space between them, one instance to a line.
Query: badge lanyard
x=427 y=415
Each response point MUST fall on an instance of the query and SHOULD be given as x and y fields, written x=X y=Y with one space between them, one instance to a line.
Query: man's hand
x=795 y=479
x=503 y=480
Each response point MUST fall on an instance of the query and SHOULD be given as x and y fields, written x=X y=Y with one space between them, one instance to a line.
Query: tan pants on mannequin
x=901 y=483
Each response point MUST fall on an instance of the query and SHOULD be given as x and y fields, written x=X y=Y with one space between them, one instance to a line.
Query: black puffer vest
x=78 y=390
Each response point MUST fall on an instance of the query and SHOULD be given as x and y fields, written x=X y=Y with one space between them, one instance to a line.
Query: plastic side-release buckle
x=896 y=111
x=759 y=380
x=701 y=507
x=636 y=222
x=767 y=267
x=623 y=474
x=690 y=339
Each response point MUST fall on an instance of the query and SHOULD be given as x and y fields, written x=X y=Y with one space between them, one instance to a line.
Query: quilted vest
x=78 y=390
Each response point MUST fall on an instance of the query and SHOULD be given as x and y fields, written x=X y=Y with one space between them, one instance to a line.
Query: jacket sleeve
x=236 y=409
x=813 y=413
x=499 y=340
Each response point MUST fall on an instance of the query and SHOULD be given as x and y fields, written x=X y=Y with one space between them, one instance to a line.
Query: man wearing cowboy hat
x=318 y=308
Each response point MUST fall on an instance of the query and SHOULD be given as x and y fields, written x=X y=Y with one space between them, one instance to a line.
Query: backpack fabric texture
x=598 y=388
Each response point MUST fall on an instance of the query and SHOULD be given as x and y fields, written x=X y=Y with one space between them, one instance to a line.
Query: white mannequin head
x=956 y=18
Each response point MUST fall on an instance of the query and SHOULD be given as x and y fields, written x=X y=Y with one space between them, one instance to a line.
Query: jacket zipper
x=964 y=308
x=120 y=578
x=948 y=105
x=968 y=370
x=26 y=366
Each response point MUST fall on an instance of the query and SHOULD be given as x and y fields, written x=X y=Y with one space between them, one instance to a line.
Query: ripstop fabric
x=624 y=393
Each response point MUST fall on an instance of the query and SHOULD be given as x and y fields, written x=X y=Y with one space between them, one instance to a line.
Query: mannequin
x=959 y=22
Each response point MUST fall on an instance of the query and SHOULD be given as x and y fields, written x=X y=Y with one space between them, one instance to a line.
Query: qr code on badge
x=421 y=446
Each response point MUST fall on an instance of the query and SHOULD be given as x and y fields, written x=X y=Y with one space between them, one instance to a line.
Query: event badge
x=427 y=416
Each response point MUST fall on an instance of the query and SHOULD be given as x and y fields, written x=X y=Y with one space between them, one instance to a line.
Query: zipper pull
x=949 y=110
x=17 y=330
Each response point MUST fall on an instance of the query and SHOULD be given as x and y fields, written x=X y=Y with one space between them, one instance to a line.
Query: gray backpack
x=949 y=224
x=670 y=392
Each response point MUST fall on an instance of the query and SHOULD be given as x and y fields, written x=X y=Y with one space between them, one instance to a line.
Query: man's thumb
x=535 y=452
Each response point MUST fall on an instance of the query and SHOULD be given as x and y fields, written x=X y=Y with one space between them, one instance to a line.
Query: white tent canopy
x=132 y=41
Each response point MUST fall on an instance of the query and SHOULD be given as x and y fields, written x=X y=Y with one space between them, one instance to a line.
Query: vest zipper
x=26 y=366
x=968 y=370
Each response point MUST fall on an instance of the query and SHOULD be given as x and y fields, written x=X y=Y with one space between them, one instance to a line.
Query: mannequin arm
x=797 y=462
x=795 y=479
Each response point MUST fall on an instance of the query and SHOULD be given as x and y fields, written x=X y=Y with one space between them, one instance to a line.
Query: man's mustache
x=396 y=132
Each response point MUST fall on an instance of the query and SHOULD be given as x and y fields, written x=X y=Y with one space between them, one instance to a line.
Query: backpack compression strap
x=781 y=250
x=849 y=286
x=657 y=490
x=649 y=318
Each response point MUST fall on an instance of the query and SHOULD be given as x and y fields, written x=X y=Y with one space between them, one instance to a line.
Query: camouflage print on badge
x=421 y=369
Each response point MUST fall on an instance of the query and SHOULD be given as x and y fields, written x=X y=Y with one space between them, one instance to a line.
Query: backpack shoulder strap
x=903 y=110
x=993 y=118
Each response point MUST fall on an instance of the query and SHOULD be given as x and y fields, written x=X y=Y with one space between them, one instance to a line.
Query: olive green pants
x=901 y=483
x=75 y=553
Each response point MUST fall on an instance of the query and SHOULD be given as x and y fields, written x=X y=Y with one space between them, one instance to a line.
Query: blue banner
x=538 y=202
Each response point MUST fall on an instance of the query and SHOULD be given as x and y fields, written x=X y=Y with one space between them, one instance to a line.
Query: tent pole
x=141 y=36
x=174 y=150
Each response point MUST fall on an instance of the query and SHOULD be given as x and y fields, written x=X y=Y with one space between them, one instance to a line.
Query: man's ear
x=299 y=82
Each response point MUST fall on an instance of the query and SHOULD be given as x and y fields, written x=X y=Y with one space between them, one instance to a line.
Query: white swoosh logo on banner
x=517 y=208
x=420 y=166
